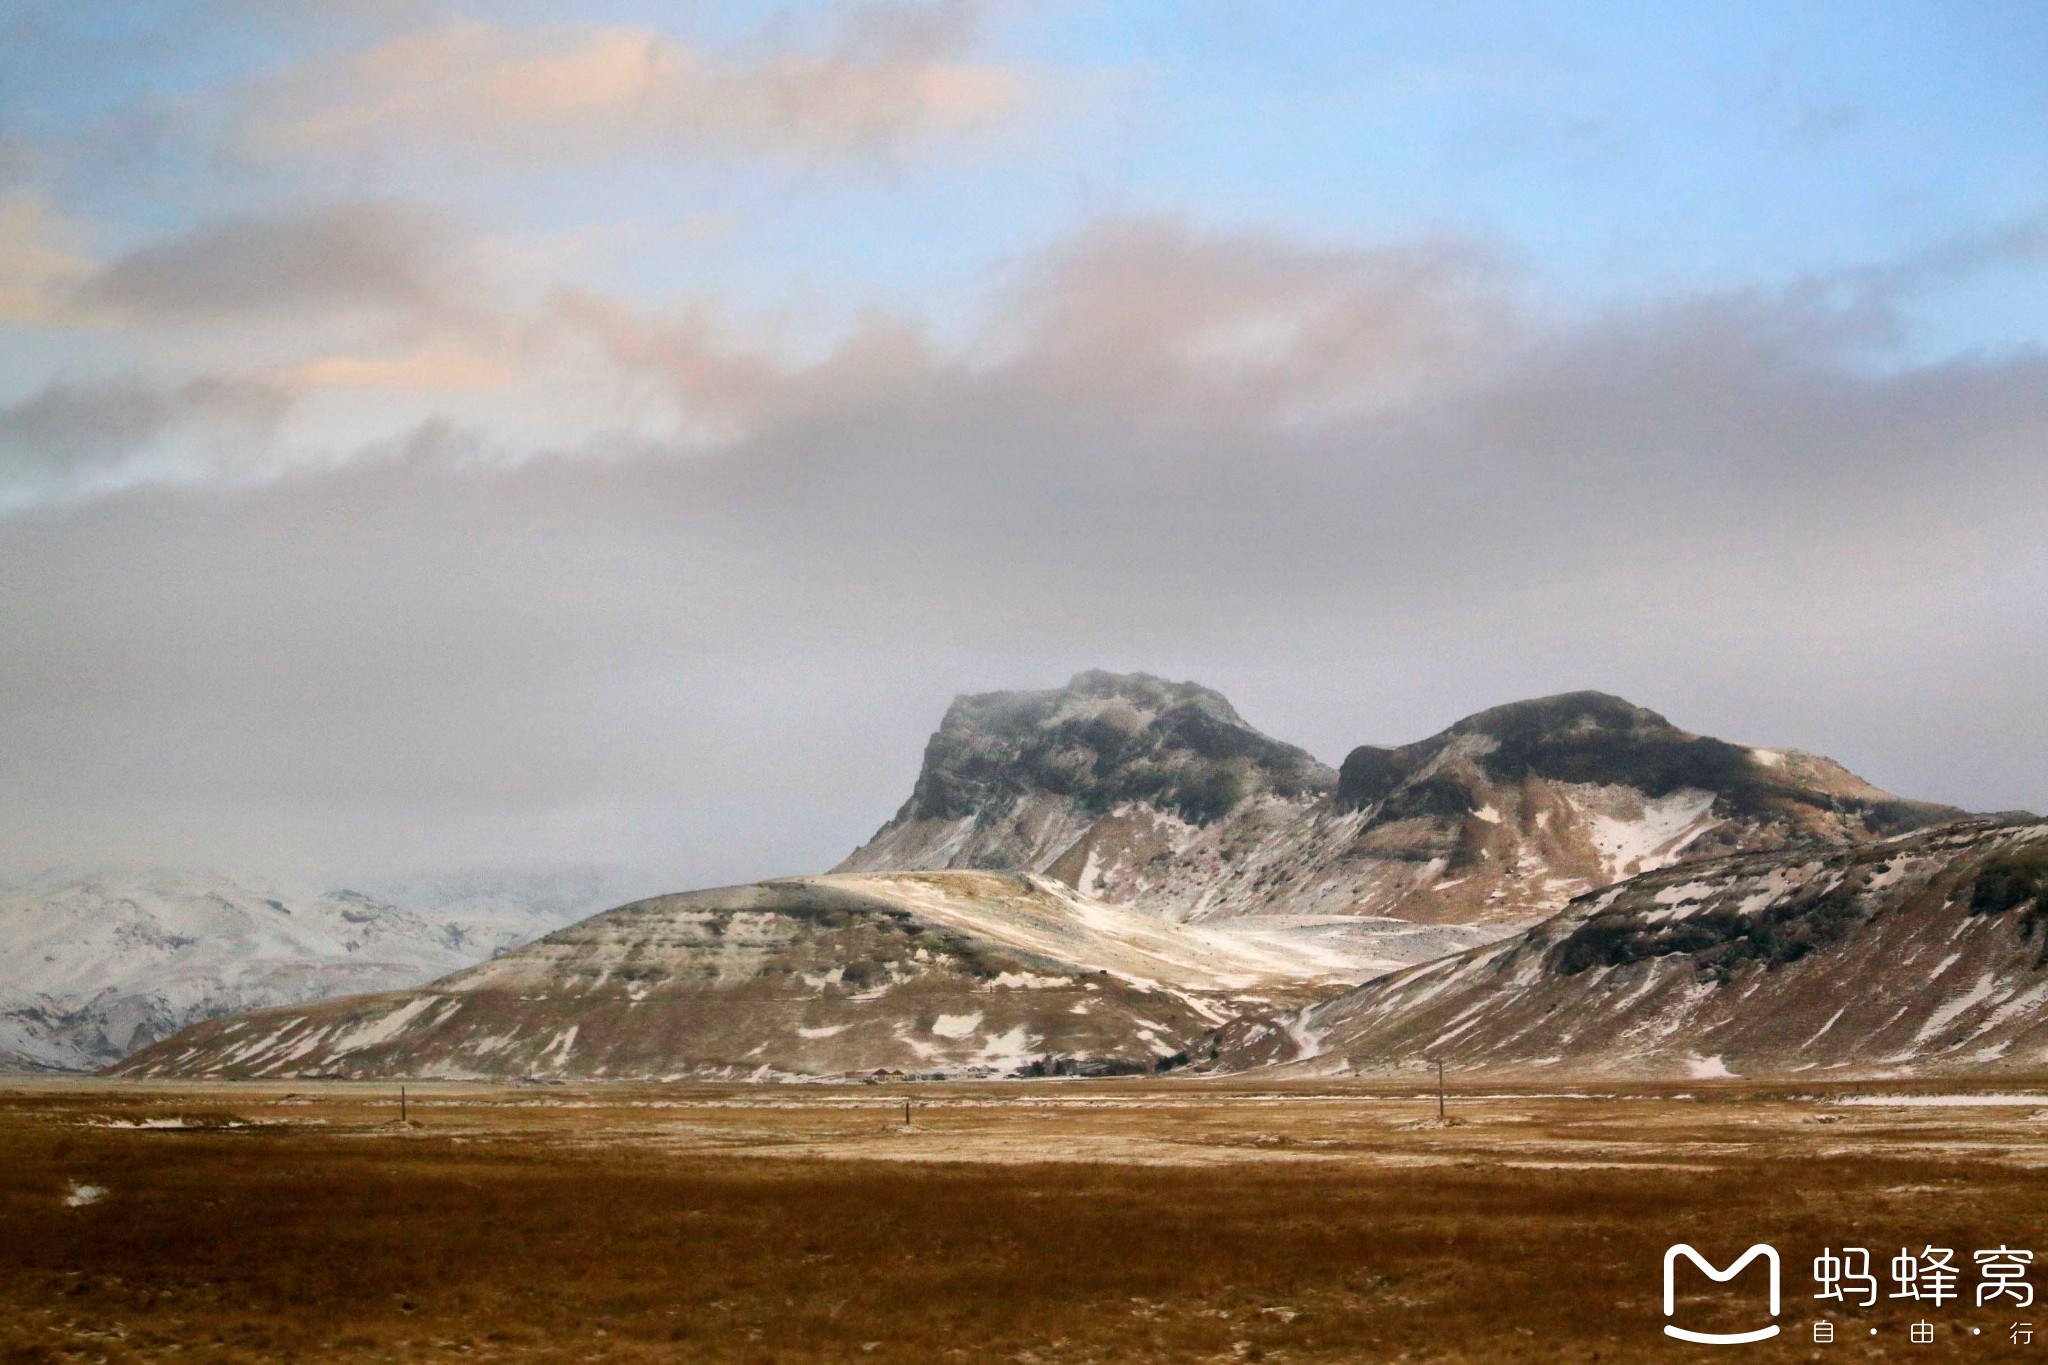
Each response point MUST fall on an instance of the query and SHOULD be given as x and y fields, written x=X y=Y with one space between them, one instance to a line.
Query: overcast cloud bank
x=358 y=541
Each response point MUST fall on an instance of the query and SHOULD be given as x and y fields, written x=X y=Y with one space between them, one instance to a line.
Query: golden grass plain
x=1024 y=1221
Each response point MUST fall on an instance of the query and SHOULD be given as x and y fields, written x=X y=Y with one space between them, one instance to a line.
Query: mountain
x=1028 y=779
x=1922 y=952
x=512 y=905
x=1095 y=878
x=1158 y=795
x=481 y=913
x=958 y=973
x=99 y=965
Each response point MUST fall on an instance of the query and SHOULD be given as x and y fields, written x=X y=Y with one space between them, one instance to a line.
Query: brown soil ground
x=1055 y=1222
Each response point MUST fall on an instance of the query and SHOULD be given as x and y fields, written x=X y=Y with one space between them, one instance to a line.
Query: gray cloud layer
x=1362 y=491
x=72 y=437
x=346 y=256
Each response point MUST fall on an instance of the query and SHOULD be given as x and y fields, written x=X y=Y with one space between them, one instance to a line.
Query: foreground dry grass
x=1057 y=1222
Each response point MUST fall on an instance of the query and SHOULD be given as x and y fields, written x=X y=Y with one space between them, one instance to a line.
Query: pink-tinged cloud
x=40 y=259
x=1145 y=312
x=443 y=365
x=569 y=92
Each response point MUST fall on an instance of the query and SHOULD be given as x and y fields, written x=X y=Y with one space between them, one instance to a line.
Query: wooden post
x=1439 y=1089
x=906 y=1111
x=401 y=1104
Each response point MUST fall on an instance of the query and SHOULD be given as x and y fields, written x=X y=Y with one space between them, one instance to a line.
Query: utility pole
x=1439 y=1087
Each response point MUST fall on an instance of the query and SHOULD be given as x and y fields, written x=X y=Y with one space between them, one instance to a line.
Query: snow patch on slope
x=1656 y=837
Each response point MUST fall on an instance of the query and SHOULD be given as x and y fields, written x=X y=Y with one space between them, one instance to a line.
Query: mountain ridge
x=1066 y=858
x=1159 y=795
x=1923 y=951
x=943 y=973
x=103 y=963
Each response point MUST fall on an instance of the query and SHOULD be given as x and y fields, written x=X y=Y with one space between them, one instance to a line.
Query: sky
x=440 y=436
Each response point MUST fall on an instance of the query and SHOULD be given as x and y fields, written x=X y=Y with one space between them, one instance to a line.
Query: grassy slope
x=580 y=1235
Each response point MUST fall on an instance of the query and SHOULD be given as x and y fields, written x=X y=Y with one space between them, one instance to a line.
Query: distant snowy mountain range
x=96 y=966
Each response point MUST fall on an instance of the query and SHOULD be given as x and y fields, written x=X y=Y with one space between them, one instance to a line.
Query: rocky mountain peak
x=1566 y=714
x=1584 y=737
x=1143 y=691
x=1592 y=739
x=1103 y=739
x=1157 y=794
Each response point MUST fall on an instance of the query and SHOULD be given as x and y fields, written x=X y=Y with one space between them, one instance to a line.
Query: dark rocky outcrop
x=1918 y=952
x=1160 y=795
x=1102 y=740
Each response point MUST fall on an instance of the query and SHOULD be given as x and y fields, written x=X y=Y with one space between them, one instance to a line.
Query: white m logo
x=1671 y=1255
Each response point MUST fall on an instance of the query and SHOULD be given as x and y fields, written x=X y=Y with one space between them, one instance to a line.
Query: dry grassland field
x=1030 y=1222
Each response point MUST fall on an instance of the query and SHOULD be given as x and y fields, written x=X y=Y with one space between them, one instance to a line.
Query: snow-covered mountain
x=93 y=967
x=512 y=905
x=1923 y=952
x=971 y=973
x=1160 y=796
x=1097 y=876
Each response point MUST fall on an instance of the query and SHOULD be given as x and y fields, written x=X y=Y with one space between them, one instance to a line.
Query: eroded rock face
x=1160 y=796
x=1589 y=739
x=1012 y=779
x=948 y=973
x=1924 y=951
